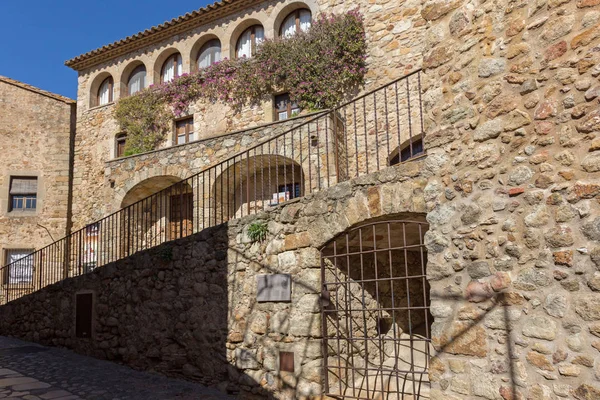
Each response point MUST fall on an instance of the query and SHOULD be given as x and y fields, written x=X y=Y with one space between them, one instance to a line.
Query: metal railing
x=380 y=128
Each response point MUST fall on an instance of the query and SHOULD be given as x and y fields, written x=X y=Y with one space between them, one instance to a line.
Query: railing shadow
x=492 y=302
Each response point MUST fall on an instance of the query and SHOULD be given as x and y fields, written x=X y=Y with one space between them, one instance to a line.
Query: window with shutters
x=172 y=68
x=19 y=268
x=23 y=194
x=137 y=80
x=105 y=92
x=184 y=131
x=284 y=108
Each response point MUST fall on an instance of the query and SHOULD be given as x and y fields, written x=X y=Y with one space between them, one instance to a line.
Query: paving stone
x=15 y=381
x=31 y=386
x=54 y=394
x=59 y=374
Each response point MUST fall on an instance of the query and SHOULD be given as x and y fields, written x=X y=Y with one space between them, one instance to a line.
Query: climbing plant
x=319 y=68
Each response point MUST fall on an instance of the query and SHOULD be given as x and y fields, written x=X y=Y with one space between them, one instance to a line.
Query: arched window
x=105 y=92
x=120 y=141
x=408 y=151
x=137 y=80
x=171 y=68
x=297 y=21
x=209 y=54
x=249 y=40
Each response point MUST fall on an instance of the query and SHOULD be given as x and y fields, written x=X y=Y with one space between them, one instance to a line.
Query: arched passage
x=254 y=183
x=377 y=323
x=156 y=210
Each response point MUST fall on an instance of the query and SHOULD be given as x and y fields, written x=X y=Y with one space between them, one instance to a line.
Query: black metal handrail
x=375 y=130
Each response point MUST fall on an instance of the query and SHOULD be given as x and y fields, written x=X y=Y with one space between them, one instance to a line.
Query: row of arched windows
x=210 y=53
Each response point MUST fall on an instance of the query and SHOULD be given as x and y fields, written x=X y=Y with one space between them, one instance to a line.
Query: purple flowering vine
x=319 y=68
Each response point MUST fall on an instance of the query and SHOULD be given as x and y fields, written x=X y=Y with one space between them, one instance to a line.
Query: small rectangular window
x=84 y=303
x=121 y=140
x=20 y=270
x=284 y=108
x=408 y=152
x=184 y=131
x=23 y=194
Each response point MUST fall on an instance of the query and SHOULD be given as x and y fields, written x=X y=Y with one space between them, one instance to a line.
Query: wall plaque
x=274 y=287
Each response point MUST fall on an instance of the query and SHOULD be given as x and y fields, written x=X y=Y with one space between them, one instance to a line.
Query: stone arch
x=240 y=28
x=148 y=187
x=162 y=57
x=399 y=200
x=95 y=86
x=175 y=174
x=376 y=271
x=193 y=56
x=254 y=184
x=126 y=73
x=282 y=10
x=156 y=210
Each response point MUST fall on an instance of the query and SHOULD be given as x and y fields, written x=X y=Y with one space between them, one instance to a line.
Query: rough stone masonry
x=510 y=188
x=514 y=118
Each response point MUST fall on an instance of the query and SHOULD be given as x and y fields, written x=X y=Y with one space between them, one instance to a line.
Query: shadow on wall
x=166 y=310
x=188 y=309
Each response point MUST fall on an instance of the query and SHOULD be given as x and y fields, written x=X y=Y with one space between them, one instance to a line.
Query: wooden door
x=181 y=215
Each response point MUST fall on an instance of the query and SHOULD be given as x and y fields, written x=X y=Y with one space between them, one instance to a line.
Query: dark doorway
x=84 y=303
x=181 y=215
x=376 y=320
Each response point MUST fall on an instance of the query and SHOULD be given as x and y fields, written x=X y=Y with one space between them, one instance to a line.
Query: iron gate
x=376 y=321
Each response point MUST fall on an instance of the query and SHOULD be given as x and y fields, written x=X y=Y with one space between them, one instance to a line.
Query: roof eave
x=152 y=35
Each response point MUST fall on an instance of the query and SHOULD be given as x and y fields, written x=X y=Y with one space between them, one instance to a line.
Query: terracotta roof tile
x=159 y=32
x=36 y=90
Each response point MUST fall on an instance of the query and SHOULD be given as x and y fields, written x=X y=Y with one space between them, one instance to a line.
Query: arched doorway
x=156 y=210
x=253 y=184
x=376 y=320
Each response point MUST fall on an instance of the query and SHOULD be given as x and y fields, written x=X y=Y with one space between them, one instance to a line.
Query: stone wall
x=189 y=307
x=35 y=133
x=123 y=174
x=512 y=99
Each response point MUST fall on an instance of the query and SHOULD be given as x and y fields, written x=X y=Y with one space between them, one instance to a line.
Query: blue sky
x=40 y=35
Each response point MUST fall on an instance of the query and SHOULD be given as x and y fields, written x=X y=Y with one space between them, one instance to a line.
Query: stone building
x=36 y=128
x=182 y=46
x=469 y=271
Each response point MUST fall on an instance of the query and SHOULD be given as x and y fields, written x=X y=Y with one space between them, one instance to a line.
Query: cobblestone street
x=29 y=371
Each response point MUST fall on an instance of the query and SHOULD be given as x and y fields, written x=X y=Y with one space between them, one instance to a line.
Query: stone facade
x=182 y=161
x=36 y=128
x=394 y=36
